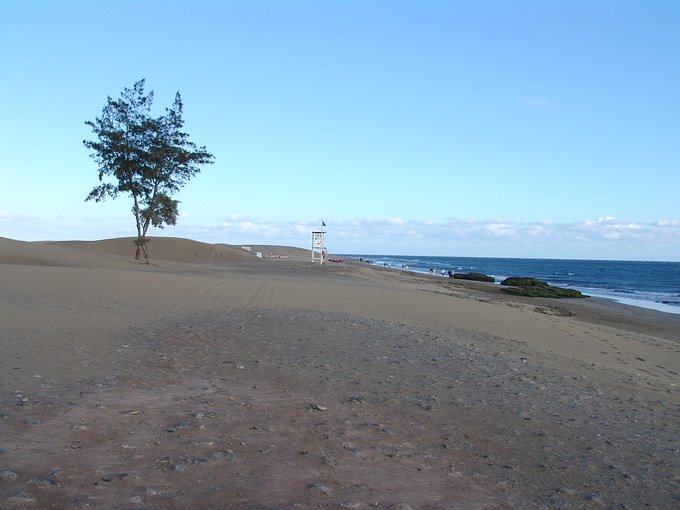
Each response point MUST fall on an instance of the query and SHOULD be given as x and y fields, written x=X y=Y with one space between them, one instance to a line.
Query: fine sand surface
x=213 y=379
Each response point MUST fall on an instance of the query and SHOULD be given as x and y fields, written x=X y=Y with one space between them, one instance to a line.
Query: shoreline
x=637 y=303
x=600 y=310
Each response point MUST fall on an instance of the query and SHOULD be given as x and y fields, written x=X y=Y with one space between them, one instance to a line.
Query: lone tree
x=148 y=158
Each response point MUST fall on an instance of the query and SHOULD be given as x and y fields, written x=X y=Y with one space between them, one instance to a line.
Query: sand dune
x=48 y=254
x=173 y=249
x=119 y=252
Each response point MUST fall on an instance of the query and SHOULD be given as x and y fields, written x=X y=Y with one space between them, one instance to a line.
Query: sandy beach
x=213 y=379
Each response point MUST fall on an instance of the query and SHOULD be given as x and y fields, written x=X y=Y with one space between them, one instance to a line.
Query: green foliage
x=149 y=158
x=531 y=287
x=478 y=277
x=546 y=292
x=520 y=281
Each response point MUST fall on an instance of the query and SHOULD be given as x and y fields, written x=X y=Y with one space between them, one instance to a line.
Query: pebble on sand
x=8 y=476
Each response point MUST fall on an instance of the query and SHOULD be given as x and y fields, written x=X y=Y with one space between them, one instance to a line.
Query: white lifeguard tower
x=318 y=247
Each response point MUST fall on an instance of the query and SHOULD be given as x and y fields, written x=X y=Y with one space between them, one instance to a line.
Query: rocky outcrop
x=524 y=281
x=531 y=287
x=477 y=277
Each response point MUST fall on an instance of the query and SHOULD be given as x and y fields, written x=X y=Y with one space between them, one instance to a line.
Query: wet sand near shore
x=278 y=384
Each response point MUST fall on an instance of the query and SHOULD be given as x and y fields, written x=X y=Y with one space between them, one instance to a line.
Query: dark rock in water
x=531 y=287
x=523 y=281
x=477 y=277
x=546 y=292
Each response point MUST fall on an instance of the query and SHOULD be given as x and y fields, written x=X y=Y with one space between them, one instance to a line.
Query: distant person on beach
x=450 y=274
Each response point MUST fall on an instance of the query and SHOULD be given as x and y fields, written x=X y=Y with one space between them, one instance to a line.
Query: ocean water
x=654 y=285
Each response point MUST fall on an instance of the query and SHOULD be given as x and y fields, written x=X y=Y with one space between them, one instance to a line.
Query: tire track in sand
x=263 y=294
x=232 y=292
x=207 y=297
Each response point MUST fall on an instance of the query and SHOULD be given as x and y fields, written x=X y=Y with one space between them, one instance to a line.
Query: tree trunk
x=142 y=249
x=145 y=243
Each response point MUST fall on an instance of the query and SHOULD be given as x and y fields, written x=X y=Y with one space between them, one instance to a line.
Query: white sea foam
x=626 y=300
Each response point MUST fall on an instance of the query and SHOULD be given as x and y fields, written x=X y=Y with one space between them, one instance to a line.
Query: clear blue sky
x=507 y=128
